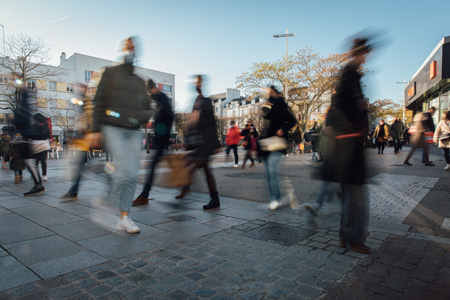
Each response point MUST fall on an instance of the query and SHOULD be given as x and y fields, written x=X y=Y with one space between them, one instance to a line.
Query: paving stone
x=195 y=276
x=115 y=281
x=139 y=293
x=178 y=294
x=87 y=283
x=126 y=270
x=80 y=274
x=66 y=291
x=161 y=288
x=14 y=274
x=137 y=277
x=14 y=228
x=27 y=288
x=99 y=290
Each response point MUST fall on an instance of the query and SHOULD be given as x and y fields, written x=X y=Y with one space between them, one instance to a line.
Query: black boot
x=214 y=202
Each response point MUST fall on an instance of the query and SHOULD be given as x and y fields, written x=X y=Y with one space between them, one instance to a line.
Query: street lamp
x=286 y=35
x=4 y=52
x=405 y=83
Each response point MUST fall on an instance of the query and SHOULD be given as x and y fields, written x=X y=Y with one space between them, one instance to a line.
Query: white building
x=54 y=92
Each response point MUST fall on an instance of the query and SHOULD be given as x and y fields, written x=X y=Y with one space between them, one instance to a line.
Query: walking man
x=396 y=131
x=163 y=122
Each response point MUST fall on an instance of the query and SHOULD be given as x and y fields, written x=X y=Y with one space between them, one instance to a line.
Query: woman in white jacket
x=442 y=135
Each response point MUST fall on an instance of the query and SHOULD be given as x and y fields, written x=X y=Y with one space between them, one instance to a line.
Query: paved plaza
x=53 y=249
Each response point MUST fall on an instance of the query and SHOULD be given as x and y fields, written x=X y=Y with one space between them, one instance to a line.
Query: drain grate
x=279 y=234
x=248 y=175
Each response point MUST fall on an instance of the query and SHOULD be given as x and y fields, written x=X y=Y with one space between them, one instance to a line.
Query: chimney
x=62 y=59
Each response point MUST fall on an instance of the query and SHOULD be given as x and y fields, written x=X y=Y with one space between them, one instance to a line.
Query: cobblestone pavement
x=52 y=249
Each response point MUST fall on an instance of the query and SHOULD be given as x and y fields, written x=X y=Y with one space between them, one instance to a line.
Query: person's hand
x=280 y=132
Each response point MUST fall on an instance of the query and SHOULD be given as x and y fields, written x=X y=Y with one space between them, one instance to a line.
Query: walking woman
x=442 y=135
x=381 y=135
x=249 y=142
x=40 y=142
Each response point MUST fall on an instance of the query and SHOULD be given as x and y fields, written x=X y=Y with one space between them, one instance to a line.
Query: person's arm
x=100 y=104
x=437 y=133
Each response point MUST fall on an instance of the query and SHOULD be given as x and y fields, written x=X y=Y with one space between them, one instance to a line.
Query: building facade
x=55 y=89
x=430 y=85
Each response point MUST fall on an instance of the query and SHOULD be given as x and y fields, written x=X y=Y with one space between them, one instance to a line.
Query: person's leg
x=271 y=165
x=324 y=191
x=446 y=155
x=423 y=155
x=43 y=159
x=378 y=147
x=406 y=162
x=355 y=217
x=79 y=167
x=236 y=157
x=382 y=147
x=148 y=184
x=124 y=145
x=214 y=201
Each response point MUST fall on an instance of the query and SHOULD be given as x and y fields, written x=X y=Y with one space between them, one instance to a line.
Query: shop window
x=9 y=118
x=2 y=118
x=69 y=88
x=87 y=76
x=31 y=84
x=52 y=85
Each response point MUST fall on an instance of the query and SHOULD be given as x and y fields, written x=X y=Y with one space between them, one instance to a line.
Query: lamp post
x=405 y=83
x=4 y=52
x=286 y=35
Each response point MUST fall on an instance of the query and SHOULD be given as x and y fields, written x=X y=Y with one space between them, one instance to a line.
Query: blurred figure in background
x=84 y=126
x=17 y=164
x=250 y=136
x=40 y=142
x=203 y=123
x=423 y=126
x=163 y=122
x=396 y=131
x=232 y=141
x=5 y=143
x=121 y=106
x=381 y=135
x=277 y=122
x=313 y=138
x=442 y=135
x=344 y=159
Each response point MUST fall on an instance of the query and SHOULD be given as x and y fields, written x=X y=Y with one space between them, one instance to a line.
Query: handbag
x=444 y=137
x=273 y=143
x=244 y=144
x=180 y=174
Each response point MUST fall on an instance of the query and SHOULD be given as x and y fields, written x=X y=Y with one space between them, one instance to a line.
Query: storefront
x=430 y=85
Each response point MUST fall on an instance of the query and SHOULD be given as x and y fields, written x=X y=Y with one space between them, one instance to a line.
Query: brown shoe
x=252 y=164
x=360 y=248
x=16 y=179
x=141 y=200
x=21 y=178
x=342 y=242
x=183 y=193
x=243 y=167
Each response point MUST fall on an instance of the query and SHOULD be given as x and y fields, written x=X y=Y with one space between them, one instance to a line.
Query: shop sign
x=433 y=69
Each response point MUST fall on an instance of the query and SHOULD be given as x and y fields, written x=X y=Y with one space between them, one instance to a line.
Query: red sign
x=412 y=91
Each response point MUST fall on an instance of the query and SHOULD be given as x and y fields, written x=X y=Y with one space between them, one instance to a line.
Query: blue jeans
x=81 y=160
x=124 y=144
x=271 y=164
x=355 y=213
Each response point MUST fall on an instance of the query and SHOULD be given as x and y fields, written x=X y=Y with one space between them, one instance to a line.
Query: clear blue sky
x=224 y=38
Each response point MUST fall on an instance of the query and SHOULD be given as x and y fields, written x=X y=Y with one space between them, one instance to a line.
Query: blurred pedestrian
x=278 y=120
x=442 y=135
x=313 y=138
x=121 y=107
x=423 y=130
x=163 y=123
x=344 y=159
x=5 y=144
x=381 y=135
x=232 y=140
x=250 y=137
x=396 y=132
x=203 y=123
x=40 y=142
x=16 y=161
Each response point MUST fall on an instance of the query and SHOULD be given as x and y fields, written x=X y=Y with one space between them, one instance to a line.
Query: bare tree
x=24 y=64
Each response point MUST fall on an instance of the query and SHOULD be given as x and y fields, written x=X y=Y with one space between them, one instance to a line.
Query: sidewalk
x=70 y=250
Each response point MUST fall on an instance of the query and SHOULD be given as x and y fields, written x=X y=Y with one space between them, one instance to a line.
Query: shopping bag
x=180 y=173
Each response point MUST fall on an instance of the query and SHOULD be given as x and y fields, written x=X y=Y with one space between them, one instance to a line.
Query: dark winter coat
x=344 y=158
x=206 y=127
x=17 y=162
x=397 y=129
x=248 y=136
x=163 y=119
x=121 y=99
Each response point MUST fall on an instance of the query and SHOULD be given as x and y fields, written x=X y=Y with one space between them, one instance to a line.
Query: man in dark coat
x=396 y=131
x=344 y=158
x=163 y=122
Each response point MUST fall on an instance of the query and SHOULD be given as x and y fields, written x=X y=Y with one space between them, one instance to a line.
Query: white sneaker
x=447 y=167
x=44 y=178
x=235 y=166
x=127 y=225
x=274 y=205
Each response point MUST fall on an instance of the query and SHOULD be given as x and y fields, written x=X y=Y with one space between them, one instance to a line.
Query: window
x=167 y=88
x=52 y=86
x=61 y=104
x=41 y=102
x=87 y=76
x=31 y=84
x=9 y=118
x=2 y=118
x=69 y=88
x=170 y=101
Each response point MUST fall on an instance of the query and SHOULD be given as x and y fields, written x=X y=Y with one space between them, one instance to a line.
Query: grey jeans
x=124 y=144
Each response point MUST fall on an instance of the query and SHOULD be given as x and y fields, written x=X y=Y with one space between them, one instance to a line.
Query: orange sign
x=433 y=69
x=412 y=90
